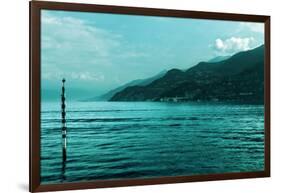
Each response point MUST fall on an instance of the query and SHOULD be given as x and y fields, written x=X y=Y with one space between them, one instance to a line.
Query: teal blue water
x=121 y=140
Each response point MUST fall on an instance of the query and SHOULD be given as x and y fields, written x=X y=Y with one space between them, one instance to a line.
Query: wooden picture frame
x=35 y=100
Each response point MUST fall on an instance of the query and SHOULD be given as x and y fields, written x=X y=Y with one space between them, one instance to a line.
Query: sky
x=96 y=52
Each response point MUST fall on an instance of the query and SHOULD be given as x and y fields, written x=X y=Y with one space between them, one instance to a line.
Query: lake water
x=121 y=140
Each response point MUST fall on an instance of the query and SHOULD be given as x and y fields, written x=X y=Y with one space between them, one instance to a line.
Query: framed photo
x=123 y=96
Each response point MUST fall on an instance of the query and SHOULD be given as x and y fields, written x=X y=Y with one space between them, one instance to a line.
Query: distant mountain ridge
x=218 y=59
x=140 y=82
x=238 y=78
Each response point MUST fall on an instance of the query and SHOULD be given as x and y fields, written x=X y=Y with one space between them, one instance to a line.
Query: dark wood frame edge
x=34 y=94
x=267 y=95
x=34 y=97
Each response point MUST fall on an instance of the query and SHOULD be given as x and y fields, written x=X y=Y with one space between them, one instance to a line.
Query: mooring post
x=63 y=121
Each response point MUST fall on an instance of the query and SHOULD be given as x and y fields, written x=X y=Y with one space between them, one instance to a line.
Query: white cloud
x=233 y=45
x=46 y=19
x=67 y=42
x=72 y=35
x=85 y=76
x=82 y=76
x=133 y=54
x=70 y=44
x=254 y=27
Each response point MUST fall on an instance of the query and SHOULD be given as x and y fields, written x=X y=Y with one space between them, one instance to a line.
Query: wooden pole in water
x=63 y=121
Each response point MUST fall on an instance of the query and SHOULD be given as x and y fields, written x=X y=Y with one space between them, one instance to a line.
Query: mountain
x=140 y=82
x=238 y=78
